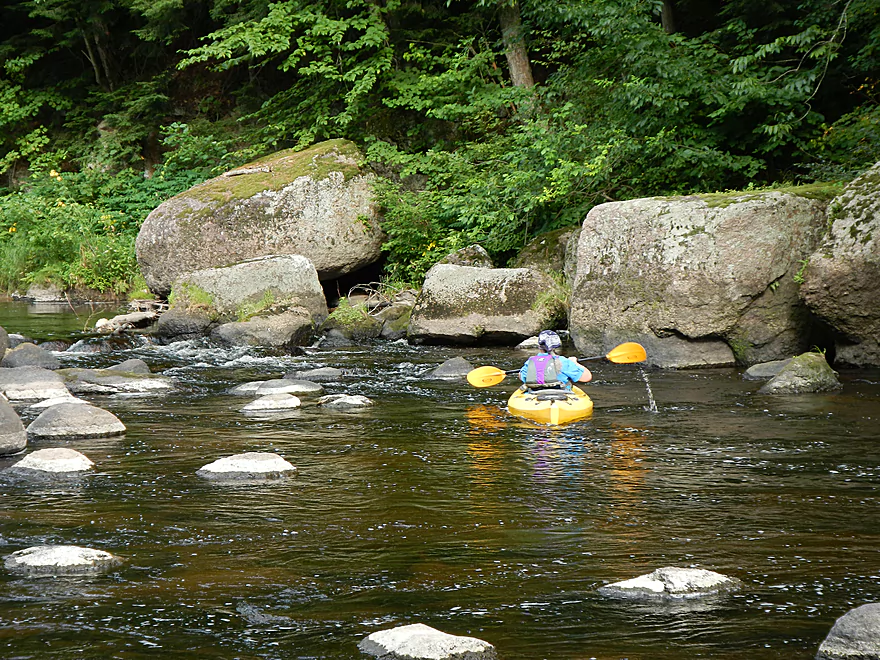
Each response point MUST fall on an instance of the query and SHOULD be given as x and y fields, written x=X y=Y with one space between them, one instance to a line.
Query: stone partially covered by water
x=29 y=355
x=273 y=402
x=13 y=437
x=248 y=466
x=31 y=384
x=75 y=420
x=672 y=582
x=420 y=642
x=324 y=374
x=854 y=636
x=277 y=386
x=345 y=401
x=55 y=460
x=805 y=373
x=113 y=381
x=765 y=370
x=60 y=560
x=452 y=369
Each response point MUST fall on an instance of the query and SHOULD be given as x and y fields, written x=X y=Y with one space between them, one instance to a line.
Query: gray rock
x=29 y=355
x=841 y=279
x=466 y=305
x=184 y=324
x=31 y=384
x=472 y=255
x=112 y=381
x=272 y=402
x=453 y=369
x=288 y=386
x=698 y=281
x=54 y=401
x=260 y=286
x=13 y=437
x=418 y=641
x=132 y=366
x=15 y=339
x=124 y=322
x=291 y=328
x=805 y=373
x=4 y=342
x=316 y=202
x=345 y=401
x=60 y=560
x=45 y=293
x=55 y=460
x=249 y=466
x=765 y=370
x=547 y=252
x=854 y=636
x=321 y=375
x=672 y=583
x=74 y=420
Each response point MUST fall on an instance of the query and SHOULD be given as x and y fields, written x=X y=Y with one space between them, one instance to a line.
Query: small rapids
x=437 y=506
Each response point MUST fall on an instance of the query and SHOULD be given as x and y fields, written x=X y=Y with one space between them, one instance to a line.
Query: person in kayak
x=547 y=369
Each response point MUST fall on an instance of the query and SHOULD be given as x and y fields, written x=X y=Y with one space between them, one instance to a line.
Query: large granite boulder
x=842 y=278
x=549 y=251
x=805 y=373
x=854 y=636
x=418 y=641
x=699 y=281
x=467 y=305
x=317 y=202
x=27 y=354
x=75 y=420
x=13 y=437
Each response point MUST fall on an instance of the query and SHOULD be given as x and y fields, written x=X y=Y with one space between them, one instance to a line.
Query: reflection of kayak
x=551 y=406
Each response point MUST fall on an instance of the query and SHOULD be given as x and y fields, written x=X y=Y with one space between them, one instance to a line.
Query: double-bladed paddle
x=628 y=353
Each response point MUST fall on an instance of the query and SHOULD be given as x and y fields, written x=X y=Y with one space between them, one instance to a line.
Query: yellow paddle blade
x=485 y=376
x=627 y=353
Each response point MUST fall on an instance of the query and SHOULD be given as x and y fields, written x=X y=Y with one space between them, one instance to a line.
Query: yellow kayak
x=552 y=406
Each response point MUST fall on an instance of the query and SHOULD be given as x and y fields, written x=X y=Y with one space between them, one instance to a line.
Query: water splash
x=652 y=404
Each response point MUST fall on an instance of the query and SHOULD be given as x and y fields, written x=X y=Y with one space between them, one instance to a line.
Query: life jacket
x=544 y=370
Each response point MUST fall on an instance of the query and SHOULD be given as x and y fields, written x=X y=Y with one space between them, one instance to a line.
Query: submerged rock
x=452 y=369
x=248 y=466
x=60 y=560
x=418 y=641
x=345 y=401
x=672 y=582
x=324 y=374
x=29 y=355
x=805 y=373
x=75 y=420
x=854 y=636
x=113 y=381
x=13 y=437
x=55 y=460
x=765 y=370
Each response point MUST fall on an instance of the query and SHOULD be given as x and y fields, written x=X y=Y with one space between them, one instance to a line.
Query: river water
x=437 y=507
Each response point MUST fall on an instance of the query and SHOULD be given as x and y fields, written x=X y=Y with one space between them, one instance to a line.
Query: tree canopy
x=493 y=120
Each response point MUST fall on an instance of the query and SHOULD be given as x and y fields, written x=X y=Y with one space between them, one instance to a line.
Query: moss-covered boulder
x=549 y=251
x=842 y=278
x=805 y=373
x=317 y=202
x=699 y=281
x=466 y=305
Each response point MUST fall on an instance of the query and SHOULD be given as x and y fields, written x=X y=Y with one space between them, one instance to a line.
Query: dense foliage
x=107 y=107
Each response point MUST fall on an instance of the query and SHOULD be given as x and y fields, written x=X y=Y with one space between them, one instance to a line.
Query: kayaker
x=547 y=369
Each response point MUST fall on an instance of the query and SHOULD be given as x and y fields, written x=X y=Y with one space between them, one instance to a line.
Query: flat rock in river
x=418 y=641
x=60 y=560
x=249 y=466
x=75 y=420
x=672 y=582
x=31 y=384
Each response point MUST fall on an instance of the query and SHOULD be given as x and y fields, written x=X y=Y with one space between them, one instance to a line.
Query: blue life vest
x=544 y=370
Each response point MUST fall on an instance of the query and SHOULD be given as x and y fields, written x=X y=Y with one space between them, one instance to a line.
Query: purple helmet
x=549 y=340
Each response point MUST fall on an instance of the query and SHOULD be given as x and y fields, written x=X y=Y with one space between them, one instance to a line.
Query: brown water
x=437 y=507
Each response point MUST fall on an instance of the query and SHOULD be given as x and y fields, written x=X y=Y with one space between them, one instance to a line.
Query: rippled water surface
x=438 y=507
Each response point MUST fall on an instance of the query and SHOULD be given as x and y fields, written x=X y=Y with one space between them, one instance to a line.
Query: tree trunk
x=514 y=45
x=667 y=17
